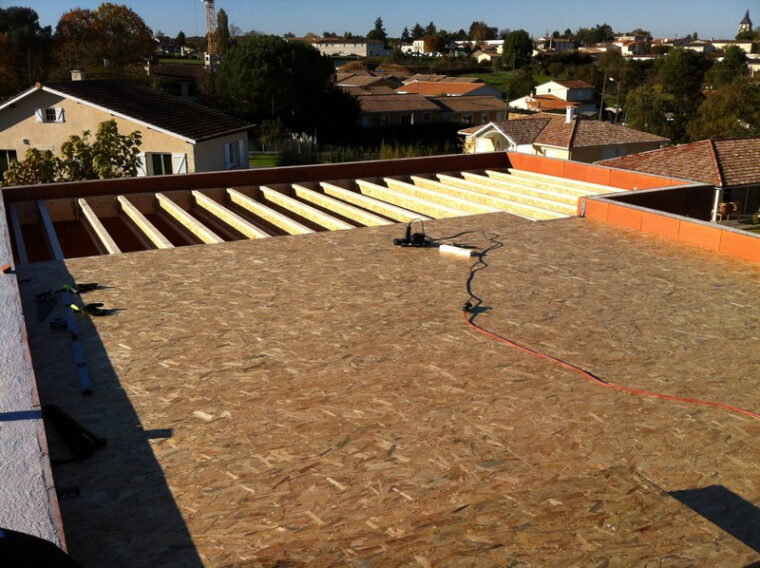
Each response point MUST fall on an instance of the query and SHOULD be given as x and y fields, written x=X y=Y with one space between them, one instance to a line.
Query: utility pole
x=212 y=54
x=601 y=104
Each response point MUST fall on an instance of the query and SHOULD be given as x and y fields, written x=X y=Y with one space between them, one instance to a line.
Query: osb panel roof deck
x=318 y=401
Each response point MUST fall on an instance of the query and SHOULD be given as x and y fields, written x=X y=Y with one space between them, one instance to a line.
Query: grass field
x=263 y=160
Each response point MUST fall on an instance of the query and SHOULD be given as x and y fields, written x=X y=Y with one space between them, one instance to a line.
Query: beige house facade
x=556 y=136
x=44 y=117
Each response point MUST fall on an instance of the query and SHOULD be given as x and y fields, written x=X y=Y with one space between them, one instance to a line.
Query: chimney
x=77 y=75
x=569 y=115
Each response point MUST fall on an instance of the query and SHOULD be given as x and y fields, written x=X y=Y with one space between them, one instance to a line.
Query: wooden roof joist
x=50 y=234
x=143 y=224
x=306 y=211
x=229 y=217
x=188 y=221
x=290 y=226
x=18 y=235
x=370 y=203
x=104 y=239
x=340 y=207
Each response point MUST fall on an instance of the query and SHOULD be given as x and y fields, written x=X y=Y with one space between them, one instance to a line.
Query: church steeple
x=746 y=24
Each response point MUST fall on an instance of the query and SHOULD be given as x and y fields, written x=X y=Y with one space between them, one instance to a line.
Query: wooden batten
x=143 y=224
x=304 y=210
x=205 y=234
x=18 y=236
x=229 y=217
x=268 y=214
x=370 y=203
x=52 y=237
x=104 y=238
x=340 y=207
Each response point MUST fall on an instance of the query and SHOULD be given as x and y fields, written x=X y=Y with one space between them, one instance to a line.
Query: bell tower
x=746 y=24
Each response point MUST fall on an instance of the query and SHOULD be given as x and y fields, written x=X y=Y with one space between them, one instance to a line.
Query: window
x=160 y=164
x=49 y=114
x=6 y=157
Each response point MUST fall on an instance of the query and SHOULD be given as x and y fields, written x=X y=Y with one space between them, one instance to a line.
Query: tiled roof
x=525 y=130
x=441 y=78
x=395 y=103
x=440 y=88
x=553 y=130
x=548 y=102
x=475 y=103
x=166 y=112
x=370 y=90
x=590 y=133
x=362 y=81
x=723 y=163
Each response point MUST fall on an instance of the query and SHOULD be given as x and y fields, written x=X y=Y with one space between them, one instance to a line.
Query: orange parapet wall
x=703 y=234
x=590 y=173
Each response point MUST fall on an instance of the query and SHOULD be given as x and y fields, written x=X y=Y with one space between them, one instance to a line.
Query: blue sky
x=669 y=18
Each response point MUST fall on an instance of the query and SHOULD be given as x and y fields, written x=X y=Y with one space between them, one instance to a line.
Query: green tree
x=180 y=40
x=431 y=29
x=222 y=32
x=38 y=166
x=732 y=111
x=733 y=67
x=405 y=36
x=418 y=32
x=518 y=48
x=267 y=78
x=25 y=46
x=110 y=155
x=682 y=72
x=378 y=32
x=479 y=31
x=646 y=109
x=519 y=84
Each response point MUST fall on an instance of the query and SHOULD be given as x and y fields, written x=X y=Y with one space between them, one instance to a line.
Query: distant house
x=731 y=165
x=556 y=136
x=478 y=109
x=557 y=95
x=358 y=47
x=378 y=110
x=550 y=44
x=448 y=89
x=723 y=44
x=433 y=78
x=178 y=136
x=485 y=55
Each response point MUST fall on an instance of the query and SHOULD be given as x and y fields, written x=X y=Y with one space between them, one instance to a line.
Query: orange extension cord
x=596 y=380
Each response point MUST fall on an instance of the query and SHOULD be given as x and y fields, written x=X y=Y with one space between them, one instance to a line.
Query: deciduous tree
x=266 y=77
x=25 y=56
x=479 y=31
x=113 y=33
x=732 y=111
x=518 y=48
x=732 y=68
x=109 y=155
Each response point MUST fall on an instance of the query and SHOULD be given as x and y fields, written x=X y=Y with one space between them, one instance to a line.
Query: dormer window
x=49 y=114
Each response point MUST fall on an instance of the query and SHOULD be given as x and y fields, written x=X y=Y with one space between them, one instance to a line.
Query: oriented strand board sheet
x=316 y=400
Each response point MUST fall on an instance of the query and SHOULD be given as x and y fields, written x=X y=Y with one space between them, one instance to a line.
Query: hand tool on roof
x=93 y=309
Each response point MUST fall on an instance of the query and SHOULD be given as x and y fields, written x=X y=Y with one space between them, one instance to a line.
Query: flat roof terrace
x=317 y=400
